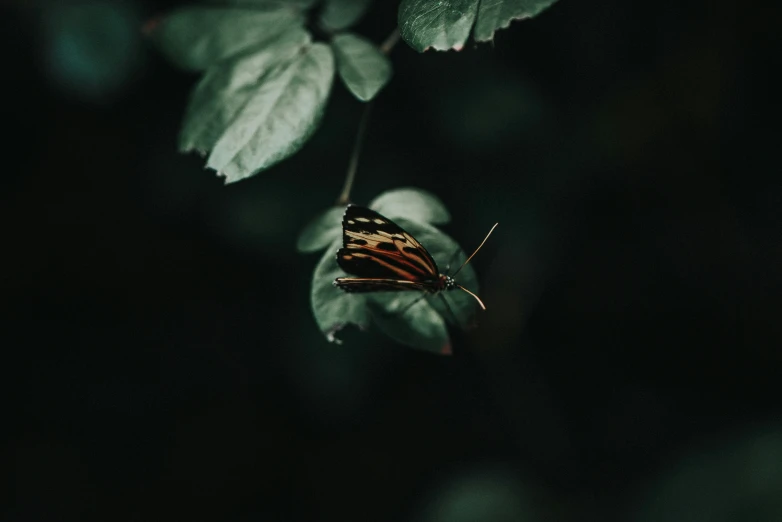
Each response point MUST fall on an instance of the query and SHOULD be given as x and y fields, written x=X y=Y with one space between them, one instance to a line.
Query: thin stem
x=344 y=197
x=389 y=43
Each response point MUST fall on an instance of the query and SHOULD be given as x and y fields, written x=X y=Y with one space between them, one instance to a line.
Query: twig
x=389 y=43
x=344 y=198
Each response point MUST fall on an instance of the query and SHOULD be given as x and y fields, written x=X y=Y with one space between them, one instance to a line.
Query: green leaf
x=420 y=324
x=333 y=308
x=411 y=203
x=729 y=478
x=439 y=24
x=446 y=24
x=363 y=68
x=493 y=16
x=410 y=320
x=486 y=494
x=322 y=231
x=197 y=37
x=227 y=87
x=278 y=117
x=338 y=15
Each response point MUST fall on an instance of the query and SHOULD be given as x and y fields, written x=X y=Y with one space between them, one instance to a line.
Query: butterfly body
x=385 y=257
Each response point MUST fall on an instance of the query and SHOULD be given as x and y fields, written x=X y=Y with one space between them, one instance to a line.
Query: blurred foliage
x=92 y=49
x=338 y=15
x=736 y=480
x=479 y=495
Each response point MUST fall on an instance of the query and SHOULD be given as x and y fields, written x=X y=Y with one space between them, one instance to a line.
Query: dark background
x=161 y=362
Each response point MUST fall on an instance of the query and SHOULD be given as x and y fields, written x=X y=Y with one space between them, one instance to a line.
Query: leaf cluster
x=266 y=83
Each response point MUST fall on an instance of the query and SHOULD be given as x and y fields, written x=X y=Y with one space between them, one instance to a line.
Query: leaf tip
x=222 y=175
x=331 y=333
x=330 y=337
x=446 y=349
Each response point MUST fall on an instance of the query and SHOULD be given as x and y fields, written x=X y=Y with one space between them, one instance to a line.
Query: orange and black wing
x=382 y=255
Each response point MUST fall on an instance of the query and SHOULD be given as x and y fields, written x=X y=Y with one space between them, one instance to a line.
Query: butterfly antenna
x=460 y=287
x=471 y=256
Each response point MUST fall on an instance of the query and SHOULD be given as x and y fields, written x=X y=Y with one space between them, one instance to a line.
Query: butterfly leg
x=410 y=305
x=454 y=318
x=450 y=311
x=401 y=312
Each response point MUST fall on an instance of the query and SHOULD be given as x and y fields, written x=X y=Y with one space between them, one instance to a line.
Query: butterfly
x=387 y=258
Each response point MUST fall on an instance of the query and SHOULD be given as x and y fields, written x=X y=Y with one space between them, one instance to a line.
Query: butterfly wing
x=383 y=255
